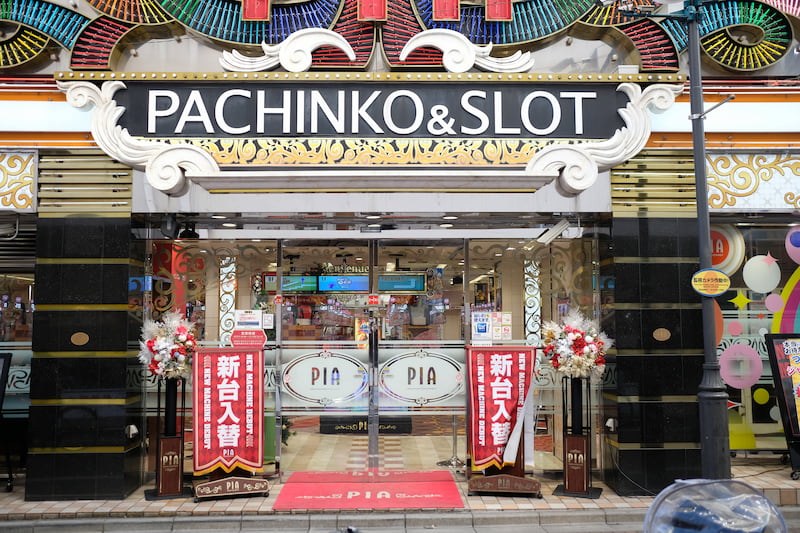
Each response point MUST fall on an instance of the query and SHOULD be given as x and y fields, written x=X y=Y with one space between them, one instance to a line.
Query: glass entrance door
x=416 y=300
x=372 y=354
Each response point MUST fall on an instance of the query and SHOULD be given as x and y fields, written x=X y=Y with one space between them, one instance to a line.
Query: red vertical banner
x=255 y=9
x=498 y=10
x=228 y=403
x=368 y=10
x=445 y=10
x=499 y=379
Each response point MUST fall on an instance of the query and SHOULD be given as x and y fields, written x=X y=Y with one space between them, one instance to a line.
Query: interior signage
x=325 y=378
x=371 y=109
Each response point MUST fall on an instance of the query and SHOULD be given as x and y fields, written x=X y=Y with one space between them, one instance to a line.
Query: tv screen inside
x=299 y=283
x=344 y=283
x=406 y=283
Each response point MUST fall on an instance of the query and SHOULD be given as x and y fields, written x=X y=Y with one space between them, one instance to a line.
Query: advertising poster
x=499 y=379
x=228 y=405
x=784 y=358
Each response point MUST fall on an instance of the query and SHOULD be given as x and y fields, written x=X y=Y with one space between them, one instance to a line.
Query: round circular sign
x=727 y=248
x=710 y=282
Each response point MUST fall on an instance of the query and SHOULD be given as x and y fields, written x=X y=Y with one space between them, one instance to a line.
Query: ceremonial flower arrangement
x=167 y=347
x=577 y=347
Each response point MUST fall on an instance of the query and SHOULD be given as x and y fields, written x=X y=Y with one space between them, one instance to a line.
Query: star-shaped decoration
x=768 y=259
x=741 y=300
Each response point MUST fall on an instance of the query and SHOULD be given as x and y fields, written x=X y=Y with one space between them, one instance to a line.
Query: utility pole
x=712 y=396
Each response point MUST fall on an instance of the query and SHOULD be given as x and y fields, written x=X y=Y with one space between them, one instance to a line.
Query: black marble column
x=654 y=315
x=84 y=330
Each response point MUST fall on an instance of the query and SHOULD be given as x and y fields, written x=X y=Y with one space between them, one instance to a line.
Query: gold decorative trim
x=83 y=261
x=87 y=401
x=651 y=351
x=84 y=214
x=17 y=180
x=367 y=76
x=82 y=307
x=656 y=305
x=652 y=445
x=335 y=152
x=84 y=449
x=83 y=355
x=678 y=398
x=658 y=260
x=733 y=177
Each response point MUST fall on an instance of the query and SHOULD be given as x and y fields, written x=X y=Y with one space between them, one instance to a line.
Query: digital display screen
x=299 y=283
x=406 y=283
x=344 y=284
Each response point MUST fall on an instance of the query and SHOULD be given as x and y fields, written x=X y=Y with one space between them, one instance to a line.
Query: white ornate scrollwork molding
x=165 y=165
x=293 y=54
x=576 y=166
x=460 y=55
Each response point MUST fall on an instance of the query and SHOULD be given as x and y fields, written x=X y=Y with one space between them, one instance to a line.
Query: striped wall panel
x=83 y=182
x=654 y=184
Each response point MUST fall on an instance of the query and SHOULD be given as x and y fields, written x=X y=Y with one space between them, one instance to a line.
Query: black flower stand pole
x=577 y=432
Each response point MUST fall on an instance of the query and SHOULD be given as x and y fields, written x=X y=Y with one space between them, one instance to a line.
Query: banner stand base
x=504 y=483
x=592 y=492
x=153 y=495
x=230 y=487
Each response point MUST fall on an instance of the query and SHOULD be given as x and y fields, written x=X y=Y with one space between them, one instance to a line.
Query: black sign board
x=375 y=109
x=784 y=359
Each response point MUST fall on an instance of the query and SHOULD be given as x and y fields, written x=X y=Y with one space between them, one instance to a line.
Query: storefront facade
x=382 y=183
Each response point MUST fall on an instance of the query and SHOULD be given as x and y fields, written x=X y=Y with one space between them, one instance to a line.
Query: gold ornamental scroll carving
x=17 y=180
x=360 y=152
x=753 y=180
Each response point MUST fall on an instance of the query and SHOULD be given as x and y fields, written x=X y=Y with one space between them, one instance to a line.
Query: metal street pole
x=712 y=396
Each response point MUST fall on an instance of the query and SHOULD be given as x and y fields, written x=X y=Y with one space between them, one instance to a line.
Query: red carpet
x=369 y=490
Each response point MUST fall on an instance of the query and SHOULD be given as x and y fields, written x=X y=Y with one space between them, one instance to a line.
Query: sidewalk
x=482 y=512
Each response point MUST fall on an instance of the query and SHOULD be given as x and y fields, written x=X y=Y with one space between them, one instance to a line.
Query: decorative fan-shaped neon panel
x=360 y=36
x=59 y=23
x=741 y=36
x=135 y=11
x=532 y=20
x=97 y=42
x=656 y=49
x=611 y=15
x=752 y=36
x=222 y=19
x=21 y=47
